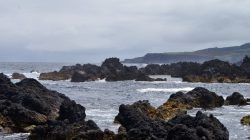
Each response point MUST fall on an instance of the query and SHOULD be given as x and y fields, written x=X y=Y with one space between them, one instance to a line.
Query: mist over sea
x=102 y=99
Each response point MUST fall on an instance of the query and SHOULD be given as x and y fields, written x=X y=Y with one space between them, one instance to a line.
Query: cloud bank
x=89 y=31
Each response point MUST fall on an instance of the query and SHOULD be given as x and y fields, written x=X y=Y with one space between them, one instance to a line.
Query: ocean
x=102 y=99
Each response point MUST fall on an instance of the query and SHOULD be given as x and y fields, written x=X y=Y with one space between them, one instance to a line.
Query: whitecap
x=165 y=89
x=33 y=75
x=15 y=136
x=101 y=80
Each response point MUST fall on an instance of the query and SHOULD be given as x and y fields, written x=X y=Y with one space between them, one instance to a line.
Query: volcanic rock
x=16 y=75
x=236 y=99
x=140 y=125
x=198 y=97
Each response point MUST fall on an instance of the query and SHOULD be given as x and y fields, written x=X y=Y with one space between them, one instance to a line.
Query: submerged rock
x=236 y=99
x=16 y=75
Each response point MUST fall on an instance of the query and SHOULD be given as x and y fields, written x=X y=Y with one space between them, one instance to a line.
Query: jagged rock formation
x=28 y=106
x=111 y=70
x=139 y=124
x=210 y=71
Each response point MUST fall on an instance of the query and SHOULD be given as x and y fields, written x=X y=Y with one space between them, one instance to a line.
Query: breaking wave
x=170 y=90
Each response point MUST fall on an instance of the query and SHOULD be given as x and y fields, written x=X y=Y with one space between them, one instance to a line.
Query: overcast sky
x=91 y=30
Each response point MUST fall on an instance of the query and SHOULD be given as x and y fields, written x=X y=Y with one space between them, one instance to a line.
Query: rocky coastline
x=213 y=71
x=28 y=106
x=110 y=70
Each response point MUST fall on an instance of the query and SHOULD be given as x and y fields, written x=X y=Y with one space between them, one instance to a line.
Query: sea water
x=102 y=99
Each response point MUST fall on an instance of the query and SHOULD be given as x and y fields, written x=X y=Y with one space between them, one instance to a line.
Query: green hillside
x=232 y=54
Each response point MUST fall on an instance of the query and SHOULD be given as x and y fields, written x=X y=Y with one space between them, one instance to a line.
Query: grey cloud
x=62 y=30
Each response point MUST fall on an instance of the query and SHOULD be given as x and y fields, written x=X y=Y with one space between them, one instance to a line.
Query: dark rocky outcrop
x=139 y=124
x=113 y=70
x=175 y=70
x=69 y=125
x=110 y=70
x=199 y=97
x=16 y=75
x=210 y=71
x=169 y=121
x=83 y=77
x=27 y=103
x=28 y=106
x=221 y=72
x=180 y=103
x=23 y=104
x=236 y=99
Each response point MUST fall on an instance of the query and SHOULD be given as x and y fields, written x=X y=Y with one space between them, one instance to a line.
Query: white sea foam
x=9 y=75
x=101 y=80
x=15 y=136
x=102 y=113
x=33 y=75
x=165 y=89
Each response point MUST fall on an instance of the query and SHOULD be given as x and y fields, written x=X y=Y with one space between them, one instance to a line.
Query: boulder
x=198 y=97
x=236 y=99
x=140 y=126
x=16 y=75
x=71 y=112
x=111 y=64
